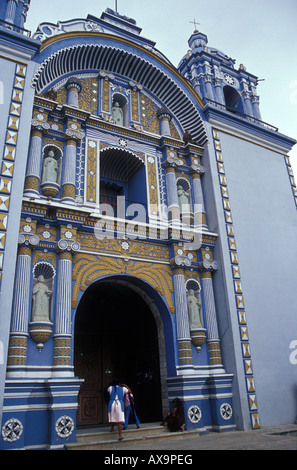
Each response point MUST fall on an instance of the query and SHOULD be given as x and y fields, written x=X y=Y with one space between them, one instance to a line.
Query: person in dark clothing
x=175 y=418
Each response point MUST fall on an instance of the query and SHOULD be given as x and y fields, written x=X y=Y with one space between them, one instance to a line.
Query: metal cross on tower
x=195 y=24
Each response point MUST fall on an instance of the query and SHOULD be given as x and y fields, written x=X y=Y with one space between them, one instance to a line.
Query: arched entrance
x=116 y=335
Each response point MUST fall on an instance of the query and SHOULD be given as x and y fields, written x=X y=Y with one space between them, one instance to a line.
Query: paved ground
x=275 y=438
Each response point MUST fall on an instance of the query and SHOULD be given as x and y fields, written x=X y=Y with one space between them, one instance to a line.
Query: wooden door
x=116 y=336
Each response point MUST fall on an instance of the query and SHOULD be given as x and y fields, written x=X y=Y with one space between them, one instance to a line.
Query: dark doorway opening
x=116 y=336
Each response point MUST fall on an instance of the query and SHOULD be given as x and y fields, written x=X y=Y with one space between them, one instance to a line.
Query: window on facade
x=109 y=193
x=122 y=175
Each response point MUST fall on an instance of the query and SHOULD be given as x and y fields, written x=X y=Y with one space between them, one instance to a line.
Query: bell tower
x=217 y=81
x=247 y=185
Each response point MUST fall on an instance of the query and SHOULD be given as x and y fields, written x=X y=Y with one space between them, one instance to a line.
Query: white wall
x=265 y=227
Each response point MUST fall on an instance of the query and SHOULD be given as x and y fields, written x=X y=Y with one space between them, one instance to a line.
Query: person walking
x=130 y=406
x=116 y=413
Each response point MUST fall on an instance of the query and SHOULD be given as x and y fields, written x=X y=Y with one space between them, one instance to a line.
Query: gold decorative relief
x=48 y=257
x=149 y=117
x=89 y=268
x=92 y=147
x=135 y=106
x=88 y=97
x=105 y=96
x=152 y=185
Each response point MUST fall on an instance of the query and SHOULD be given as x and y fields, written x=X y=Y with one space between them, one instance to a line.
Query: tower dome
x=215 y=79
x=197 y=40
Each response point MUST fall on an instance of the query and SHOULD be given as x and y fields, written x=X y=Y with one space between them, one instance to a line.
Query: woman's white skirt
x=116 y=415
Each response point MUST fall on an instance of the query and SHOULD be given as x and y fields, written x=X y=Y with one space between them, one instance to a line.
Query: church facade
x=148 y=226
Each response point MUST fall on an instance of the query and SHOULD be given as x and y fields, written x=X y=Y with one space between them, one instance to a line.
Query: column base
x=39 y=414
x=68 y=193
x=207 y=400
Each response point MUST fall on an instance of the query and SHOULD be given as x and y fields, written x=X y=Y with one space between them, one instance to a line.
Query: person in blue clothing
x=116 y=407
x=130 y=406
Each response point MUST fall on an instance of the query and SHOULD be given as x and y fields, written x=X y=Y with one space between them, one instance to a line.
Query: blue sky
x=260 y=34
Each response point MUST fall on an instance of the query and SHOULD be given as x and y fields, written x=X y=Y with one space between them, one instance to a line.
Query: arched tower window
x=233 y=100
x=120 y=113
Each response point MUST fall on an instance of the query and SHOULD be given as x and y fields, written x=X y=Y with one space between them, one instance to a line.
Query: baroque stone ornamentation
x=12 y=430
x=194 y=414
x=64 y=426
x=226 y=411
x=88 y=268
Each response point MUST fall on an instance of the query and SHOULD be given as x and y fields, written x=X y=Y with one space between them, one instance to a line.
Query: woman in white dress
x=116 y=413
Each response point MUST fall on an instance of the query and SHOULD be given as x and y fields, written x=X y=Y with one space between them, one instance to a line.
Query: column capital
x=172 y=160
x=207 y=267
x=106 y=76
x=135 y=86
x=164 y=113
x=255 y=98
x=66 y=247
x=169 y=167
x=197 y=170
x=27 y=244
x=38 y=128
x=74 y=82
x=181 y=261
x=75 y=136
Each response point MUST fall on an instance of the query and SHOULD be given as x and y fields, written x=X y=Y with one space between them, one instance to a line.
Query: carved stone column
x=199 y=208
x=255 y=103
x=63 y=325
x=10 y=11
x=165 y=117
x=179 y=263
x=218 y=85
x=74 y=87
x=24 y=13
x=214 y=348
x=17 y=353
x=172 y=198
x=208 y=78
x=182 y=319
x=68 y=186
x=246 y=94
x=34 y=164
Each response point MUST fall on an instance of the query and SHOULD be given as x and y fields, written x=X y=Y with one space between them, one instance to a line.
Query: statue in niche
x=50 y=169
x=117 y=114
x=41 y=301
x=183 y=198
x=194 y=310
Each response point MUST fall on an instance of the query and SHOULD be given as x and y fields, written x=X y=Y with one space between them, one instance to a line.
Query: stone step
x=104 y=439
x=105 y=433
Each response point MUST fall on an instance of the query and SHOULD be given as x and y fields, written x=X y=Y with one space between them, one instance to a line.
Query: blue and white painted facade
x=195 y=128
